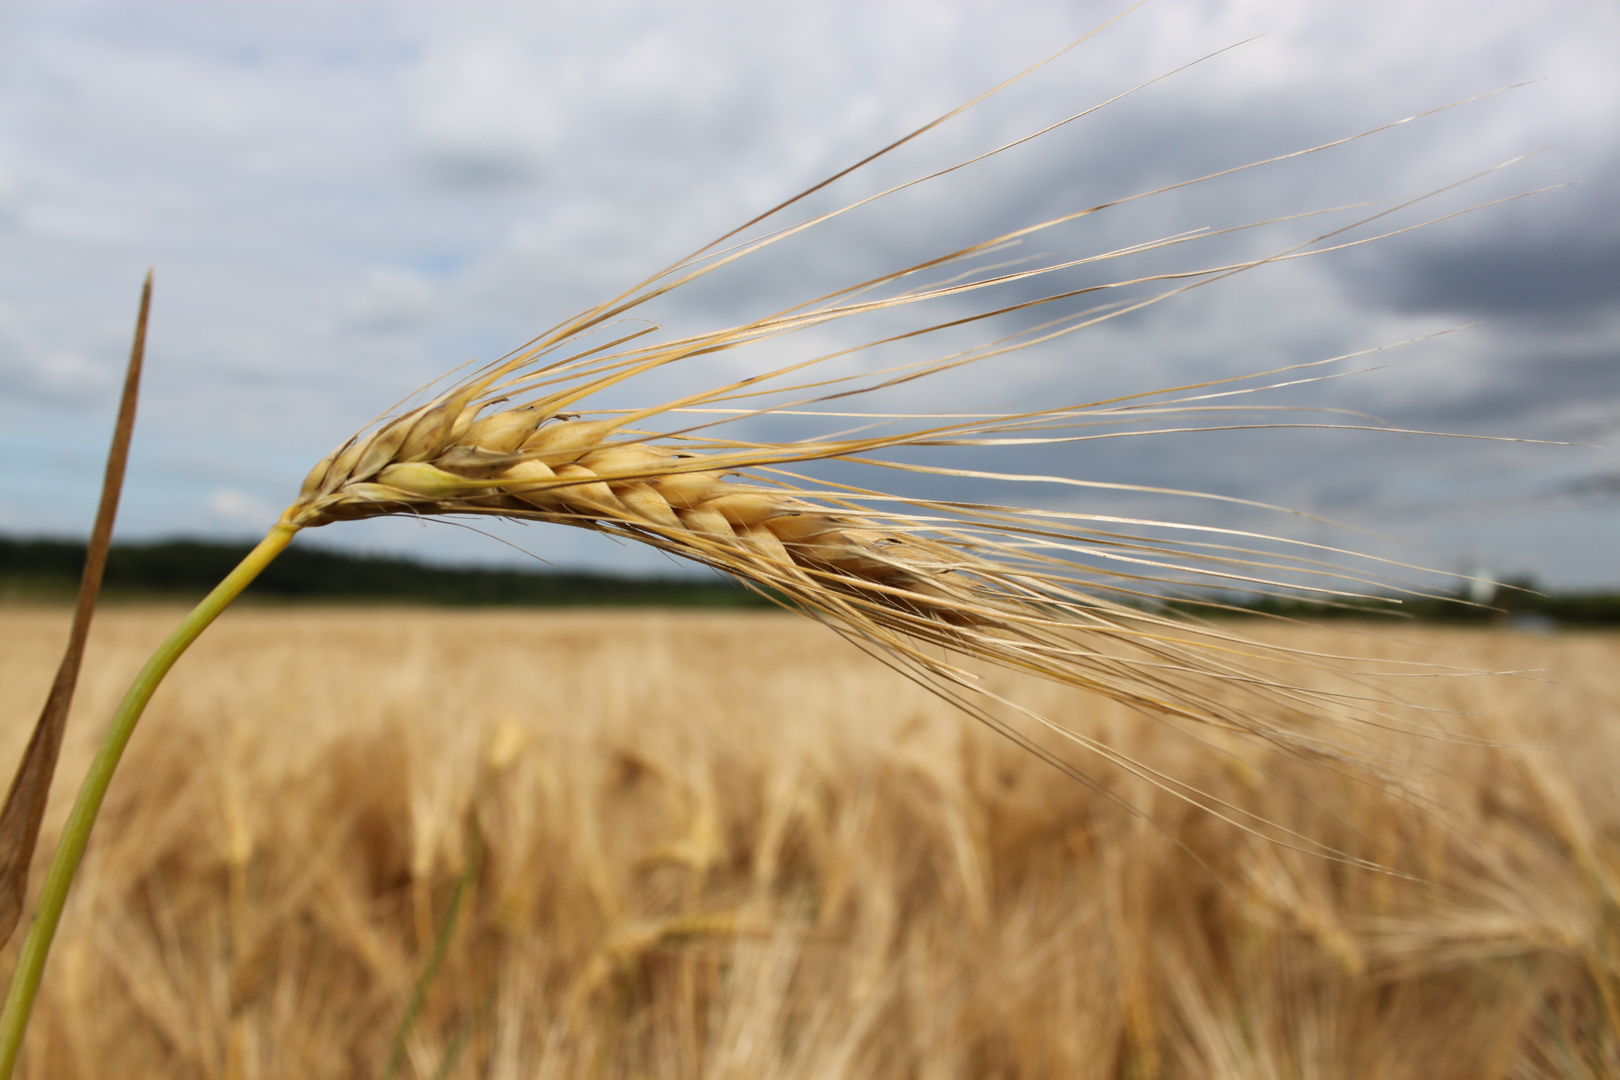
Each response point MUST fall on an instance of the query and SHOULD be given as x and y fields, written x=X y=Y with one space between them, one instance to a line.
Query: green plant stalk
x=430 y=971
x=76 y=833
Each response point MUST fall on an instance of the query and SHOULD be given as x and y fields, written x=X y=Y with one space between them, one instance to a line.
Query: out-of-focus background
x=713 y=845
x=344 y=201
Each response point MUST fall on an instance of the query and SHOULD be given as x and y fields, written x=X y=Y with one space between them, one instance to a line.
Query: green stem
x=76 y=833
x=441 y=946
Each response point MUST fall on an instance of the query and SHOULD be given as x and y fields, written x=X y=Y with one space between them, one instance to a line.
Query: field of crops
x=730 y=845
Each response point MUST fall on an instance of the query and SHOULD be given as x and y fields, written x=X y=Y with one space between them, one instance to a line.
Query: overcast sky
x=342 y=201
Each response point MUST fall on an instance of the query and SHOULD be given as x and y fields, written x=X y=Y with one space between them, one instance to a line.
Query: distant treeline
x=187 y=569
x=1517 y=603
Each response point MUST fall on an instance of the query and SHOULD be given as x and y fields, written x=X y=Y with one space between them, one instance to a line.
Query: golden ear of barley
x=893 y=582
x=523 y=463
x=1068 y=596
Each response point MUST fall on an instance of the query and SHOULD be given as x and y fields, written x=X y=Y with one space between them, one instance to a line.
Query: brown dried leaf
x=30 y=788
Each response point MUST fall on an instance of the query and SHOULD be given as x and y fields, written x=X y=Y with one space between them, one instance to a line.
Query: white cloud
x=237 y=510
x=390 y=300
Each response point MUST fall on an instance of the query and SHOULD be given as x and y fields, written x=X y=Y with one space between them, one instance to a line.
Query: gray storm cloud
x=344 y=201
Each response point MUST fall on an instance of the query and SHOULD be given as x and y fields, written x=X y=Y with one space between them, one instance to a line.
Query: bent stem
x=76 y=833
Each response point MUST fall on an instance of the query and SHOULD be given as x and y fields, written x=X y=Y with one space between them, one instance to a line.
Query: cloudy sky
x=342 y=201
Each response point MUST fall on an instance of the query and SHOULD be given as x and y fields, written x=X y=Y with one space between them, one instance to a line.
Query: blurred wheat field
x=702 y=845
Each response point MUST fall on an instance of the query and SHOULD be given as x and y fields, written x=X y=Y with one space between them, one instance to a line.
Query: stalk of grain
x=921 y=586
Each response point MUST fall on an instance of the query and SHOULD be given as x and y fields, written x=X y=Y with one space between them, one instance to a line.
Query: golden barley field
x=732 y=846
